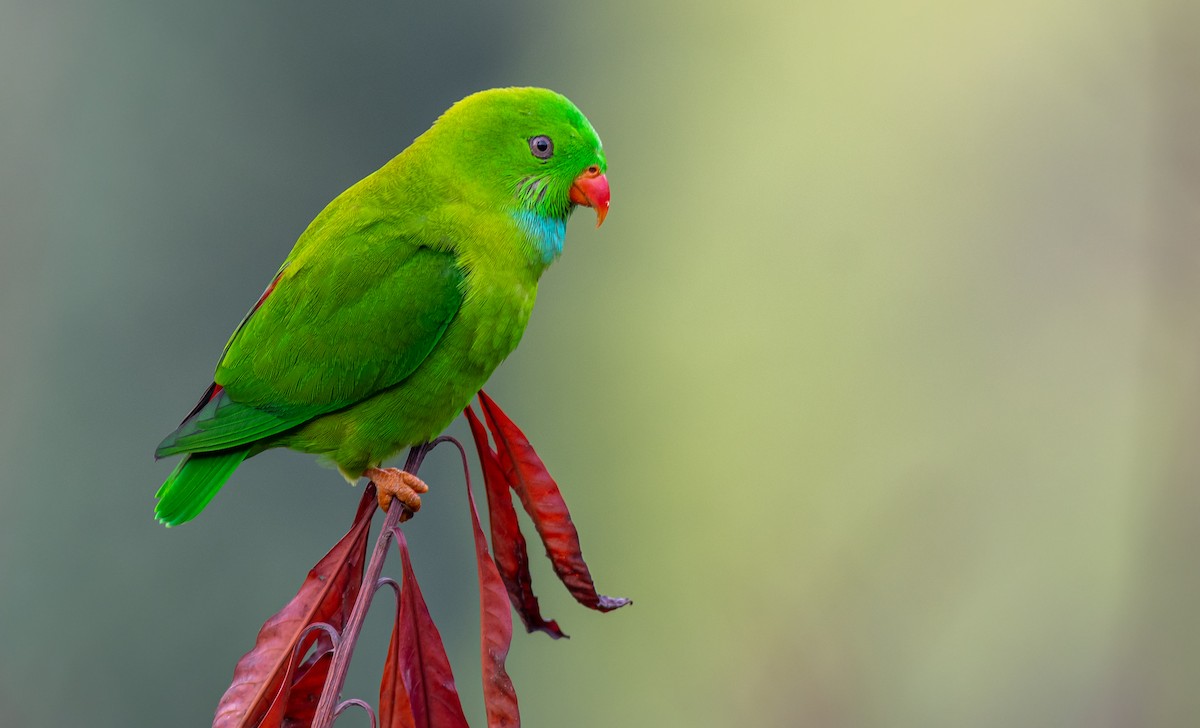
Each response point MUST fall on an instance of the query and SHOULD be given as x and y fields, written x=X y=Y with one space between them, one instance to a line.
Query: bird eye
x=541 y=146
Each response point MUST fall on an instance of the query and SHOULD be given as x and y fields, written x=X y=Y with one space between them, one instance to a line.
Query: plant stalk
x=330 y=695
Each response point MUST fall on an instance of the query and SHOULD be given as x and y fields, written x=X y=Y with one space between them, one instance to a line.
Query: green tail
x=193 y=484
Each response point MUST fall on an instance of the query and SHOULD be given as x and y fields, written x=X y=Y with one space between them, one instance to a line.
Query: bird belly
x=423 y=405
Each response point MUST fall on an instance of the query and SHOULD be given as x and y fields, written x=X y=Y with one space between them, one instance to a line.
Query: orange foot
x=399 y=484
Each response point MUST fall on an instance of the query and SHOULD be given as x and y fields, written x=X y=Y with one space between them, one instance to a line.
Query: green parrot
x=399 y=300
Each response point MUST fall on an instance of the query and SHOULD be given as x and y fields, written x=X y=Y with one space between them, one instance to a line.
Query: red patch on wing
x=264 y=295
x=214 y=390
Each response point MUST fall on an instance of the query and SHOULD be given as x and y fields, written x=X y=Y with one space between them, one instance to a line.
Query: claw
x=398 y=484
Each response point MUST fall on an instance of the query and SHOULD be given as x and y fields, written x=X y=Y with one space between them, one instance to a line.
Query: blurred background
x=878 y=391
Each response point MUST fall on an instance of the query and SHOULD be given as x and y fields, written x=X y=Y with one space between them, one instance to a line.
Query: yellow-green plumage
x=398 y=301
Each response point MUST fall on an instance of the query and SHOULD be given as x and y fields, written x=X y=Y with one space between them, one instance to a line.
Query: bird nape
x=398 y=301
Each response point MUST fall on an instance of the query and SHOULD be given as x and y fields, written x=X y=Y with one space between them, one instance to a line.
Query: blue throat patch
x=548 y=233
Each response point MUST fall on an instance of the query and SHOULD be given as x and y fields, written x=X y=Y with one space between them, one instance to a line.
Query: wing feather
x=339 y=323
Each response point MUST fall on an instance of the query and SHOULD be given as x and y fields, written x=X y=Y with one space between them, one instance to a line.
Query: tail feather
x=193 y=484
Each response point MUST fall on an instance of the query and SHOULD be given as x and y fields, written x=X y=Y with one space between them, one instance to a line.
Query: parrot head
x=532 y=146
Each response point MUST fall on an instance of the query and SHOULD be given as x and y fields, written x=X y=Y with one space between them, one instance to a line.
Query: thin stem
x=360 y=703
x=325 y=714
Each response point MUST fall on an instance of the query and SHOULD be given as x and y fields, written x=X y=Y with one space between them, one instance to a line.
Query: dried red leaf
x=495 y=631
x=295 y=703
x=544 y=503
x=306 y=690
x=276 y=712
x=424 y=666
x=395 y=707
x=327 y=595
x=508 y=545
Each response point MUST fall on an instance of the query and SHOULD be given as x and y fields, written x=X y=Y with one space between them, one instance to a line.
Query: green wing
x=350 y=313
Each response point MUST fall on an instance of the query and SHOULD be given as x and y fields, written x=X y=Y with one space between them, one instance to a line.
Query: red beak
x=590 y=189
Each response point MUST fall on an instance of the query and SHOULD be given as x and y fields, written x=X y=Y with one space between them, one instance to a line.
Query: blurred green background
x=878 y=391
